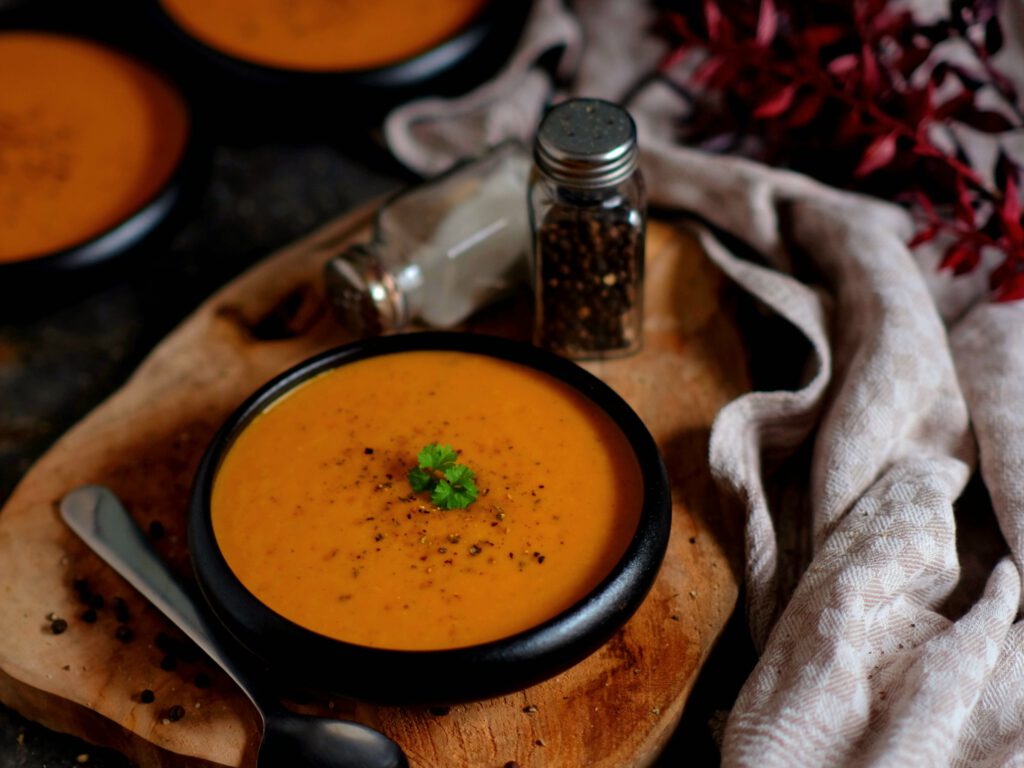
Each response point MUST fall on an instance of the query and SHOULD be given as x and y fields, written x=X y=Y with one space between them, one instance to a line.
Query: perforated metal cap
x=587 y=143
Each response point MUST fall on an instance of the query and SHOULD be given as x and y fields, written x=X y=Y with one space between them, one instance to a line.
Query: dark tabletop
x=61 y=358
x=58 y=364
x=54 y=367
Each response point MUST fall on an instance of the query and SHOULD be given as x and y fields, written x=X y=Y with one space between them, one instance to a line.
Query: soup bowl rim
x=447 y=675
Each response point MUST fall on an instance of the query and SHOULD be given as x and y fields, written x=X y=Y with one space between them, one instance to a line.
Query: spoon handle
x=101 y=521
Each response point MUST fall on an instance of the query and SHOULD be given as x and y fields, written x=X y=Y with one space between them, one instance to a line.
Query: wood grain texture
x=618 y=707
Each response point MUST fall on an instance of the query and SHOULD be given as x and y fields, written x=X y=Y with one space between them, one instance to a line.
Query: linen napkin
x=866 y=659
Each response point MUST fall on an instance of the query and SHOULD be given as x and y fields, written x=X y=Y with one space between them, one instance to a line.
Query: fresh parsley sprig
x=450 y=484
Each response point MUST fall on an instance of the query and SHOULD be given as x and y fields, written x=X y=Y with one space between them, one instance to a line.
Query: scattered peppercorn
x=124 y=634
x=157 y=530
x=439 y=711
x=58 y=626
x=85 y=596
x=368 y=451
x=89 y=616
x=147 y=696
x=121 y=612
x=203 y=680
x=168 y=663
x=175 y=713
x=96 y=601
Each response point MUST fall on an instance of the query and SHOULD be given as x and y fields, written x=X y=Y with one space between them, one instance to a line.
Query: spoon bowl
x=97 y=516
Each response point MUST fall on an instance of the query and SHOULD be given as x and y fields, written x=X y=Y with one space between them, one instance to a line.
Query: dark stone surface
x=55 y=365
x=269 y=184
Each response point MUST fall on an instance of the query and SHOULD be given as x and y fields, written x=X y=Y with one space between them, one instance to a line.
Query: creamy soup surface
x=322 y=35
x=87 y=137
x=314 y=514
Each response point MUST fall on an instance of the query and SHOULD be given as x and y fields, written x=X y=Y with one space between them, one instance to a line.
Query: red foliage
x=846 y=91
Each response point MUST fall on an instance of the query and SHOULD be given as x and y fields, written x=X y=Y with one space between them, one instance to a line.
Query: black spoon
x=98 y=517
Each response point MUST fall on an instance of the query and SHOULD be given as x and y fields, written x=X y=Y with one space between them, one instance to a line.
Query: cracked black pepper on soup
x=588 y=215
x=336 y=532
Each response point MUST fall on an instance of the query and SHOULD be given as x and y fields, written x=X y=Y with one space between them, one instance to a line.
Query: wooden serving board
x=618 y=707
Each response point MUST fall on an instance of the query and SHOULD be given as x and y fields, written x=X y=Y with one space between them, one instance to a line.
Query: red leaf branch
x=848 y=92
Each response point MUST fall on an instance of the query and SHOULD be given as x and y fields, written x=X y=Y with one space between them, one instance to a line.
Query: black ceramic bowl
x=301 y=656
x=148 y=225
x=349 y=96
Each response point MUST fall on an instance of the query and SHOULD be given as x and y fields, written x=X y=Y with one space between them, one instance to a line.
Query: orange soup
x=322 y=34
x=87 y=137
x=314 y=513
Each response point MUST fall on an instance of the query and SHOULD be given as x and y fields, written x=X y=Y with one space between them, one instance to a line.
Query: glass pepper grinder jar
x=439 y=250
x=588 y=219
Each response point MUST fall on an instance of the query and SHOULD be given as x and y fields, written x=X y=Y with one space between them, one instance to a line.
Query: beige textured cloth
x=863 y=662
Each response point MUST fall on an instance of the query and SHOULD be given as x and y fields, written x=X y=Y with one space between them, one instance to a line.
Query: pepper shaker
x=439 y=250
x=588 y=219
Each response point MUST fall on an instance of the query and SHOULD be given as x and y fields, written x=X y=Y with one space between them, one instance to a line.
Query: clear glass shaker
x=588 y=216
x=440 y=250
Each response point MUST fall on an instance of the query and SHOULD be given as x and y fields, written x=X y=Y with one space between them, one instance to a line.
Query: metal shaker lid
x=362 y=293
x=587 y=143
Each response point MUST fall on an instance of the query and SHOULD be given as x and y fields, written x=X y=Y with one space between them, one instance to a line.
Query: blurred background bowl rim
x=134 y=230
x=402 y=73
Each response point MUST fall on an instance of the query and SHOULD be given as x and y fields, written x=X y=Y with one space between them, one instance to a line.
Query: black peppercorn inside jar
x=588 y=215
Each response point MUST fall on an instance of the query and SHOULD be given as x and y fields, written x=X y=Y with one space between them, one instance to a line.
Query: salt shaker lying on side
x=440 y=250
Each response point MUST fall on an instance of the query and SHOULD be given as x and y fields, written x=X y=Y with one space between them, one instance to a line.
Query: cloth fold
x=862 y=662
